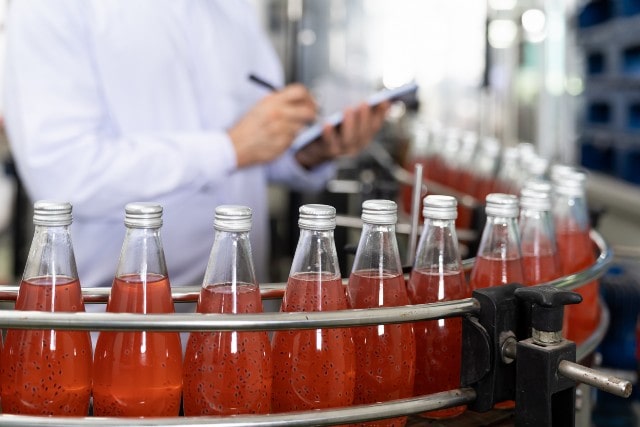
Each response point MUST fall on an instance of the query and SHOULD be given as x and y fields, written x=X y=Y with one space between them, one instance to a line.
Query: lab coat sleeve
x=64 y=143
x=287 y=170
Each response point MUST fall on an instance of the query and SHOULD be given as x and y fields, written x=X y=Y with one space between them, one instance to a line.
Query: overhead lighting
x=502 y=4
x=502 y=33
x=534 y=23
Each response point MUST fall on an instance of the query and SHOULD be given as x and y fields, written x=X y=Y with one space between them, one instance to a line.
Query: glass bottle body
x=385 y=354
x=48 y=372
x=313 y=368
x=540 y=260
x=228 y=373
x=576 y=253
x=438 y=276
x=499 y=260
x=139 y=374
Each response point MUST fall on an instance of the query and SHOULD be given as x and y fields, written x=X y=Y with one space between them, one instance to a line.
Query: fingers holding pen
x=269 y=128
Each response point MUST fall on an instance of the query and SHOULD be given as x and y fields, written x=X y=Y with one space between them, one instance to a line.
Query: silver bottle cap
x=143 y=215
x=382 y=212
x=232 y=218
x=571 y=182
x=558 y=170
x=535 y=200
x=317 y=217
x=538 y=185
x=48 y=212
x=440 y=207
x=503 y=205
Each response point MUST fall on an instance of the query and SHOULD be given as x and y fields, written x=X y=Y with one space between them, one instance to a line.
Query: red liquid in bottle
x=576 y=253
x=228 y=373
x=539 y=268
x=47 y=372
x=313 y=368
x=138 y=374
x=434 y=168
x=489 y=272
x=385 y=354
x=438 y=342
x=484 y=186
x=501 y=186
x=465 y=184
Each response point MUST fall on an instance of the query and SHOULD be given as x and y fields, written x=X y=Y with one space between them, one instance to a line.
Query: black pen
x=265 y=84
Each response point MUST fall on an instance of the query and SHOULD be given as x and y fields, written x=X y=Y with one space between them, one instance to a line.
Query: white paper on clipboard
x=314 y=131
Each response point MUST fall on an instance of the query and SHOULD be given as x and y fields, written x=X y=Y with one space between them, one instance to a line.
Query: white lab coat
x=114 y=101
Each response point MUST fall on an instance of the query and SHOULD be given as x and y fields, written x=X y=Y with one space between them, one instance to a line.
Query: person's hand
x=270 y=127
x=359 y=126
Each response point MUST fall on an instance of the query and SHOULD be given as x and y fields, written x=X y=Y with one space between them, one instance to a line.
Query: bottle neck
x=438 y=248
x=378 y=251
x=51 y=254
x=142 y=254
x=500 y=239
x=570 y=213
x=536 y=231
x=230 y=261
x=316 y=253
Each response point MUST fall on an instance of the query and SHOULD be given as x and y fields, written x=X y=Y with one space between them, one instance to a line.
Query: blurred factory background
x=560 y=75
x=560 y=79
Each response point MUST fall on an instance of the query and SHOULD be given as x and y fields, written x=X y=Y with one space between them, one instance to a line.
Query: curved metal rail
x=323 y=417
x=273 y=321
x=234 y=322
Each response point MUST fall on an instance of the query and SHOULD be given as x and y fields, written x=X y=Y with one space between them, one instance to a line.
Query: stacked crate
x=609 y=36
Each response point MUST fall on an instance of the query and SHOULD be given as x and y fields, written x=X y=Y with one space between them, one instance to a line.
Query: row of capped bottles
x=540 y=237
x=470 y=165
x=143 y=374
x=49 y=372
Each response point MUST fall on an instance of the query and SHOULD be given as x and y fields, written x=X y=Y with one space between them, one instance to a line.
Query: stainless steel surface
x=235 y=322
x=579 y=373
x=594 y=378
x=322 y=417
x=416 y=204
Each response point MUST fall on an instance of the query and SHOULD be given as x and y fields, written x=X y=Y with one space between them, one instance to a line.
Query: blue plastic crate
x=595 y=12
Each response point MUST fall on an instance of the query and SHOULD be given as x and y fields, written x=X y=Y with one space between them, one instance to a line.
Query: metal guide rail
x=12 y=319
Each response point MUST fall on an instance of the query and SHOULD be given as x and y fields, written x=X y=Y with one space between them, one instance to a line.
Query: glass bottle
x=314 y=368
x=507 y=171
x=385 y=354
x=228 y=373
x=465 y=181
x=485 y=167
x=450 y=154
x=540 y=260
x=499 y=260
x=48 y=372
x=139 y=374
x=437 y=276
x=575 y=248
